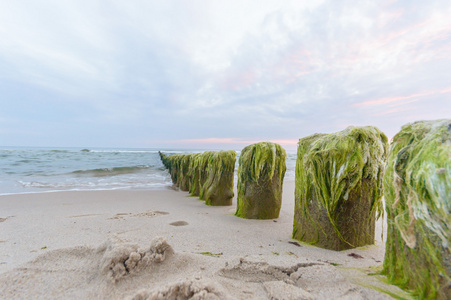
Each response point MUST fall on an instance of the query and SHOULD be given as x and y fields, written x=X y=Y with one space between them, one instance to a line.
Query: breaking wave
x=111 y=171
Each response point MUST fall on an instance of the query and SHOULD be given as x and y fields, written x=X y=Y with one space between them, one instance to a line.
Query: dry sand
x=165 y=244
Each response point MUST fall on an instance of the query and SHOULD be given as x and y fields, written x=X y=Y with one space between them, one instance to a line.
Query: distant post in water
x=417 y=191
x=261 y=171
x=338 y=187
x=171 y=163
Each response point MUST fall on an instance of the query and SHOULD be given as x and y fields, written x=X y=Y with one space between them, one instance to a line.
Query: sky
x=214 y=74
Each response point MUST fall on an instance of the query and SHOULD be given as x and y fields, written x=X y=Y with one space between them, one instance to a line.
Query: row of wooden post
x=339 y=183
x=208 y=175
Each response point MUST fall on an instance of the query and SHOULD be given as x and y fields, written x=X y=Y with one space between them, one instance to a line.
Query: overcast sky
x=217 y=74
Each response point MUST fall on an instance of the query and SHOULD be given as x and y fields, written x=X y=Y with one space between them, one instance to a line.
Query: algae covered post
x=194 y=186
x=177 y=167
x=217 y=190
x=184 y=179
x=417 y=190
x=171 y=163
x=339 y=187
x=202 y=165
x=261 y=171
x=208 y=175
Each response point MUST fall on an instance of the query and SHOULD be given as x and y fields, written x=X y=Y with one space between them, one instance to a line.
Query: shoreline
x=40 y=224
x=163 y=187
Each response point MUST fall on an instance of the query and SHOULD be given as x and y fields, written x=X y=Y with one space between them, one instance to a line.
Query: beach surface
x=158 y=244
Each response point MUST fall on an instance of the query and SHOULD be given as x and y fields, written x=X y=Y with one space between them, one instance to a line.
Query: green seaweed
x=202 y=165
x=184 y=179
x=210 y=254
x=261 y=171
x=417 y=188
x=218 y=186
x=172 y=163
x=374 y=280
x=395 y=295
x=338 y=187
x=262 y=160
x=194 y=186
x=208 y=175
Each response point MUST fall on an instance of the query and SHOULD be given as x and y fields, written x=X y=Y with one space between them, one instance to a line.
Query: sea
x=37 y=169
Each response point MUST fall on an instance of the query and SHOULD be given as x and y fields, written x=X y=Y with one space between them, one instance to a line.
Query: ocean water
x=30 y=170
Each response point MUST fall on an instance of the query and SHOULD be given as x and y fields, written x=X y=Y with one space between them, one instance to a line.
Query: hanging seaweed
x=218 y=186
x=417 y=189
x=183 y=180
x=338 y=187
x=202 y=165
x=261 y=171
x=208 y=175
x=194 y=185
x=171 y=163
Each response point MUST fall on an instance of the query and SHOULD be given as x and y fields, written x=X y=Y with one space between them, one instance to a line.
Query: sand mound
x=114 y=270
x=280 y=290
x=261 y=271
x=191 y=289
x=120 y=260
x=300 y=281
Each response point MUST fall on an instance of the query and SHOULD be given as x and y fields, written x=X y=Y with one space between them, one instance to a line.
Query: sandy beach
x=158 y=244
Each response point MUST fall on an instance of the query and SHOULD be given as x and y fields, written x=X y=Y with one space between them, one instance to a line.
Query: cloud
x=214 y=70
x=396 y=101
x=391 y=100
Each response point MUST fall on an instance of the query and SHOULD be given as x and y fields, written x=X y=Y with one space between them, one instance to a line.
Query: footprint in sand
x=119 y=216
x=87 y=215
x=151 y=214
x=179 y=223
x=5 y=218
x=148 y=214
x=277 y=281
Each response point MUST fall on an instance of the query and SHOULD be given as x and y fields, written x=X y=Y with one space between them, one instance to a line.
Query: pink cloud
x=395 y=35
x=417 y=42
x=239 y=80
x=402 y=103
x=398 y=99
x=388 y=100
x=395 y=110
x=445 y=91
x=295 y=63
x=387 y=17
x=286 y=141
